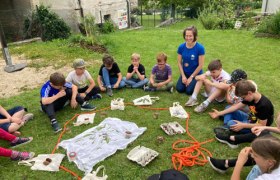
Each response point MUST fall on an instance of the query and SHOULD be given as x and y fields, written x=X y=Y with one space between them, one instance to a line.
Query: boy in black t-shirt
x=261 y=114
x=135 y=76
x=109 y=75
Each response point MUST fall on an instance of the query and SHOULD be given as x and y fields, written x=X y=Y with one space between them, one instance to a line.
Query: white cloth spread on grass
x=39 y=160
x=100 y=142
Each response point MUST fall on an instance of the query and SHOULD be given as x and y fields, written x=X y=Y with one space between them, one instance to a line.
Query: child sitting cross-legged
x=83 y=80
x=161 y=77
x=109 y=76
x=215 y=88
x=55 y=94
x=135 y=76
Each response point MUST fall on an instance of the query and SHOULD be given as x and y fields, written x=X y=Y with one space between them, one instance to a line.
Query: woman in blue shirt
x=190 y=61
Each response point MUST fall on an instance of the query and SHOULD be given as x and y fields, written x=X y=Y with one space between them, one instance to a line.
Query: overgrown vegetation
x=45 y=24
x=270 y=25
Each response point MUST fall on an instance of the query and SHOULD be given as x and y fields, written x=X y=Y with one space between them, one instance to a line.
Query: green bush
x=45 y=24
x=210 y=21
x=270 y=25
x=226 y=24
x=107 y=27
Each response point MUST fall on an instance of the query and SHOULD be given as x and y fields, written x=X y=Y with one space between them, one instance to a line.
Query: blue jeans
x=110 y=81
x=236 y=115
x=181 y=87
x=136 y=83
x=5 y=126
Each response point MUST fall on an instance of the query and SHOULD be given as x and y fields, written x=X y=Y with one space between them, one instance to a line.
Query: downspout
x=265 y=9
x=128 y=13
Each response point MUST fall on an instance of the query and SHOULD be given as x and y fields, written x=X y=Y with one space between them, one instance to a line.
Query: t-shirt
x=113 y=72
x=48 y=91
x=162 y=75
x=261 y=110
x=190 y=57
x=141 y=70
x=224 y=76
x=275 y=174
x=80 y=81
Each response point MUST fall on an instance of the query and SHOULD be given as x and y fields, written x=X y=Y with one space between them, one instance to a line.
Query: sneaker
x=109 y=92
x=225 y=139
x=19 y=156
x=171 y=90
x=56 y=127
x=150 y=89
x=20 y=141
x=191 y=102
x=27 y=117
x=87 y=107
x=97 y=96
x=217 y=164
x=201 y=108
x=222 y=130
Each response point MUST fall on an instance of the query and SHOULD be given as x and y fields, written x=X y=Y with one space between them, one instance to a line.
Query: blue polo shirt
x=48 y=91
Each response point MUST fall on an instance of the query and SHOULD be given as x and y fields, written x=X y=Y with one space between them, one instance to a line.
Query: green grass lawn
x=259 y=57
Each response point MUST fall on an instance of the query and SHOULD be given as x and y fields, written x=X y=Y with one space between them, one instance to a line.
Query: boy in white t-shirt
x=83 y=80
x=215 y=87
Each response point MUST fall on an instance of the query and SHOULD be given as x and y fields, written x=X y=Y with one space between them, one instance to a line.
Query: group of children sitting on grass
x=247 y=118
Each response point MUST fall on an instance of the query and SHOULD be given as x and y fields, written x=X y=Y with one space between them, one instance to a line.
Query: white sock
x=194 y=95
x=206 y=102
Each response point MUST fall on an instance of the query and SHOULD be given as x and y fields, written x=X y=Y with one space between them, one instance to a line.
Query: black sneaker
x=87 y=107
x=20 y=141
x=109 y=92
x=56 y=127
x=225 y=139
x=97 y=96
x=221 y=130
x=217 y=164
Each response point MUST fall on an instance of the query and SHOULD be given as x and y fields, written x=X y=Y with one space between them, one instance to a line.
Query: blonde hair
x=136 y=56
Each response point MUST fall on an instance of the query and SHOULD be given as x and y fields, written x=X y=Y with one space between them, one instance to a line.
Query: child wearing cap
x=261 y=114
x=236 y=76
x=109 y=76
x=135 y=76
x=56 y=93
x=83 y=80
x=215 y=87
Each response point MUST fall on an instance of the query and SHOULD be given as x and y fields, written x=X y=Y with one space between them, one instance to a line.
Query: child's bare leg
x=19 y=114
x=197 y=88
x=14 y=127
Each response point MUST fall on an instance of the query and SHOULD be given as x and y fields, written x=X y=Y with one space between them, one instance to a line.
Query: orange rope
x=189 y=156
x=73 y=118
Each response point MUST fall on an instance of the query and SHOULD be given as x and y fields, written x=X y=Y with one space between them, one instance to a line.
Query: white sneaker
x=191 y=102
x=201 y=108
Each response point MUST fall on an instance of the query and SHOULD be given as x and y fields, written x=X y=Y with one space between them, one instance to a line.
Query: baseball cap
x=79 y=63
x=237 y=75
x=170 y=174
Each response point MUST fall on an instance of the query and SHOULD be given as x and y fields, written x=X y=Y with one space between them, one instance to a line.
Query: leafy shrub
x=270 y=25
x=45 y=24
x=107 y=27
x=226 y=24
x=210 y=21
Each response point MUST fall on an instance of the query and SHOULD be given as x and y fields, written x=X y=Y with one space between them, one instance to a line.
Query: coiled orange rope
x=189 y=156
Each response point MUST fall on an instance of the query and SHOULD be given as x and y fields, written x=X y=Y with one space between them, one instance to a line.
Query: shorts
x=12 y=111
x=218 y=99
